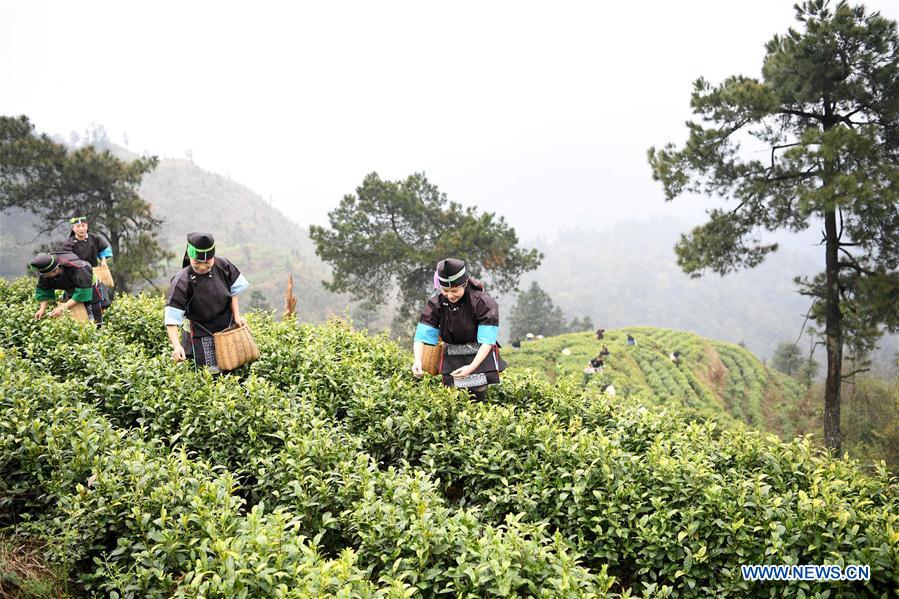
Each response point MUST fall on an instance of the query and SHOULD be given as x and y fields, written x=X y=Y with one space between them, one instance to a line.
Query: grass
x=24 y=573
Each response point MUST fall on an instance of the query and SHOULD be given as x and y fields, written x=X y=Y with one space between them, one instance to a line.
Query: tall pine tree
x=826 y=115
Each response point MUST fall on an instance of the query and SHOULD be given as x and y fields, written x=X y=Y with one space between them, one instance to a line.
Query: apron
x=457 y=356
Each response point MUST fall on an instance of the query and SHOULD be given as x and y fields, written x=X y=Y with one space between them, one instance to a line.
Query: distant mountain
x=265 y=244
x=628 y=276
x=621 y=276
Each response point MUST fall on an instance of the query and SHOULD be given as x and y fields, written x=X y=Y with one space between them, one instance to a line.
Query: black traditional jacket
x=204 y=299
x=473 y=319
x=90 y=250
x=77 y=277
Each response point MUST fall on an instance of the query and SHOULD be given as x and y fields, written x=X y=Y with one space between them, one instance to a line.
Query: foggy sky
x=542 y=112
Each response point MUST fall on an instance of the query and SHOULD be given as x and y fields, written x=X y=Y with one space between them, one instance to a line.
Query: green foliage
x=43 y=177
x=787 y=358
x=263 y=435
x=325 y=468
x=534 y=312
x=390 y=234
x=870 y=420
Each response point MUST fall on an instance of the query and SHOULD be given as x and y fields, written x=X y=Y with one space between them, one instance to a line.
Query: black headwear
x=200 y=246
x=452 y=273
x=44 y=263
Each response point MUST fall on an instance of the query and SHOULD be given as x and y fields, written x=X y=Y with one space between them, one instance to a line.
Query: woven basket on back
x=104 y=275
x=235 y=347
x=77 y=312
x=430 y=359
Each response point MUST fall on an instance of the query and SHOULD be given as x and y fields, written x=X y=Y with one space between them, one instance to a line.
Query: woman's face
x=453 y=294
x=80 y=230
x=201 y=268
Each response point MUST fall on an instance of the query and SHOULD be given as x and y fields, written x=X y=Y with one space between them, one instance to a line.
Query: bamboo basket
x=104 y=275
x=430 y=359
x=235 y=347
x=76 y=312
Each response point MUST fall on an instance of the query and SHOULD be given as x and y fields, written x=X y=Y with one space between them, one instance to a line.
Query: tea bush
x=134 y=520
x=127 y=390
x=326 y=469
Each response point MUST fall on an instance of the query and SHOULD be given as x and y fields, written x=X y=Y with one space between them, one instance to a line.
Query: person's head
x=79 y=227
x=45 y=264
x=200 y=252
x=452 y=276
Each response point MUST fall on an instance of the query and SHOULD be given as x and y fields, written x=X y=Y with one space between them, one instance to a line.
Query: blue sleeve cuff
x=105 y=253
x=173 y=316
x=487 y=334
x=427 y=334
x=239 y=285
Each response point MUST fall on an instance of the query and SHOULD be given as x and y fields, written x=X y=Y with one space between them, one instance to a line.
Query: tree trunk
x=834 y=335
x=121 y=280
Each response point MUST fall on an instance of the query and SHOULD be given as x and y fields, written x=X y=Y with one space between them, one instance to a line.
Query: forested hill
x=627 y=273
x=264 y=243
x=712 y=379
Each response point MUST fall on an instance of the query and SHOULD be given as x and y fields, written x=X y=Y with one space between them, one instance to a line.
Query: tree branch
x=737 y=209
x=854 y=372
x=853 y=264
x=807 y=115
x=781 y=147
x=804 y=175
x=807 y=316
x=148 y=280
x=840 y=234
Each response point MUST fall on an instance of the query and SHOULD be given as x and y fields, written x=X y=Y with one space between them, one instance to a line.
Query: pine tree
x=825 y=116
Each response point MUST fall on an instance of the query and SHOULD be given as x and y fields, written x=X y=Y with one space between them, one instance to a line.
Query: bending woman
x=467 y=320
x=74 y=276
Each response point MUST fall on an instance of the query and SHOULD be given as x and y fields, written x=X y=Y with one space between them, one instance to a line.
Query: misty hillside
x=712 y=379
x=628 y=275
x=264 y=244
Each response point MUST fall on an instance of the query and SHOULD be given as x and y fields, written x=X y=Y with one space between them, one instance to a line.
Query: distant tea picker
x=90 y=248
x=86 y=245
x=205 y=292
x=466 y=319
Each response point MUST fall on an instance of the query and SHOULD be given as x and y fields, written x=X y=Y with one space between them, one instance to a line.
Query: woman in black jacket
x=466 y=319
x=204 y=291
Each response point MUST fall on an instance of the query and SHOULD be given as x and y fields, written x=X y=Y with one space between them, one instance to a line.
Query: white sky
x=542 y=112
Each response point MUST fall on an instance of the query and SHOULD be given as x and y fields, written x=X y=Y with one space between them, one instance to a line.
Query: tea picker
x=75 y=277
x=205 y=292
x=86 y=245
x=465 y=319
x=90 y=248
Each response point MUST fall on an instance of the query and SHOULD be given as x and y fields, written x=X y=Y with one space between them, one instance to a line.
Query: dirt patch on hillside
x=714 y=375
x=771 y=396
